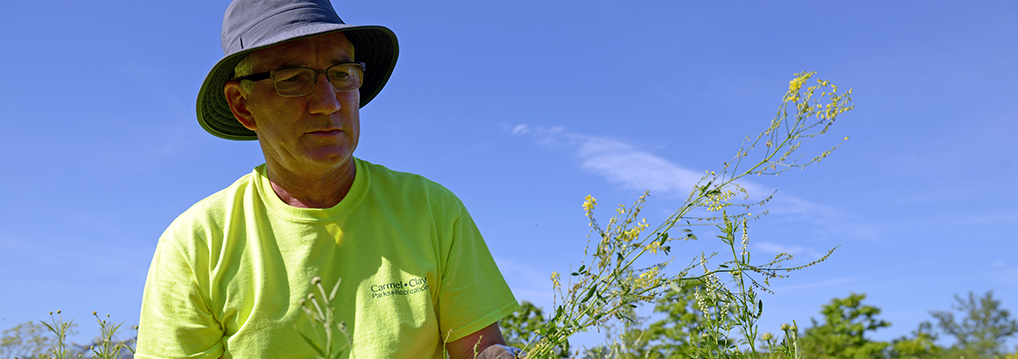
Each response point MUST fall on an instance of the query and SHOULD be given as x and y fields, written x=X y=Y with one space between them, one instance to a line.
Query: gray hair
x=245 y=68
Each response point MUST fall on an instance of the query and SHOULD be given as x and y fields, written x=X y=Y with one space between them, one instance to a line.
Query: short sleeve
x=176 y=319
x=473 y=293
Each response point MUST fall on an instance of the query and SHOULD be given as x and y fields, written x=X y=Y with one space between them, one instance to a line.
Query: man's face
x=307 y=134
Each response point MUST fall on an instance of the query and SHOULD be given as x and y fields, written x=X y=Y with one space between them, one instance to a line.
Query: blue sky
x=523 y=108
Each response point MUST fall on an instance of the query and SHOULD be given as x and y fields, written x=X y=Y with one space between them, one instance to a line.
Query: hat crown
x=254 y=23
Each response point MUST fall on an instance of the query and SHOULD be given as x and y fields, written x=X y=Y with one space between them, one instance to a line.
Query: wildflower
x=745 y=235
x=589 y=203
x=653 y=247
x=767 y=336
x=634 y=232
x=785 y=326
x=555 y=279
x=648 y=279
x=701 y=302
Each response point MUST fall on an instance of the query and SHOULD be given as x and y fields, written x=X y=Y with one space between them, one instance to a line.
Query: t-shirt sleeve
x=176 y=320
x=473 y=294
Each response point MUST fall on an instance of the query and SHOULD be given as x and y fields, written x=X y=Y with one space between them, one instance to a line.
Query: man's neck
x=312 y=190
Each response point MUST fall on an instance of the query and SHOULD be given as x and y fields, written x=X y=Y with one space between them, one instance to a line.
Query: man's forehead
x=331 y=47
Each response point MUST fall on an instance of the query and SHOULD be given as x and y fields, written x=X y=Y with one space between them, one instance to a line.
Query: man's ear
x=237 y=99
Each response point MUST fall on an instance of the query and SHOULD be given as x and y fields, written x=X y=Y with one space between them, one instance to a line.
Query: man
x=229 y=275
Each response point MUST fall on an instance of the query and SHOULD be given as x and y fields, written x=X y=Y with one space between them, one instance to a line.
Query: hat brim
x=376 y=46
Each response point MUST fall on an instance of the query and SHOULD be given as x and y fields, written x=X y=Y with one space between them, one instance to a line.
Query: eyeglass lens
x=300 y=81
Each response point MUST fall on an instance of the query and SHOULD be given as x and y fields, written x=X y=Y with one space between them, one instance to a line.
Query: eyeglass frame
x=269 y=75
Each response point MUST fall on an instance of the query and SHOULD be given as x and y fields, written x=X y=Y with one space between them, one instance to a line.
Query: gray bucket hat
x=254 y=24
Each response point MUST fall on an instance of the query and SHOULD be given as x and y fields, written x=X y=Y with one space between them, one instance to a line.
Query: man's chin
x=328 y=158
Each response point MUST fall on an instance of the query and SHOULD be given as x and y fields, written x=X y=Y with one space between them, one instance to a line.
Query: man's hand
x=498 y=352
x=488 y=342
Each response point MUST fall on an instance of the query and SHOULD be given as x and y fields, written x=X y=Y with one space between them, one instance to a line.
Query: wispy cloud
x=632 y=168
x=615 y=161
x=775 y=249
x=821 y=284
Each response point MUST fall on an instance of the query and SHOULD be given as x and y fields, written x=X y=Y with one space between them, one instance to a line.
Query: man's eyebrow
x=287 y=65
x=342 y=60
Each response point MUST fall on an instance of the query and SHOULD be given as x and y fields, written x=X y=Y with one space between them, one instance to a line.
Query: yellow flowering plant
x=609 y=283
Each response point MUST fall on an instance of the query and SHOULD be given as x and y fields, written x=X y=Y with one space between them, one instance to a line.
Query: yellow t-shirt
x=228 y=274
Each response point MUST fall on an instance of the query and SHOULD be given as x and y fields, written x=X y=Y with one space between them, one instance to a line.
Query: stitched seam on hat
x=259 y=22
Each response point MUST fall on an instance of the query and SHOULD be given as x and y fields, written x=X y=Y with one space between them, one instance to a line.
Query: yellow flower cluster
x=588 y=204
x=795 y=85
x=718 y=200
x=653 y=247
x=634 y=233
x=838 y=104
x=555 y=279
x=648 y=279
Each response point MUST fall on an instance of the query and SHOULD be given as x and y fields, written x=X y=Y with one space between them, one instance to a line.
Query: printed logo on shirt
x=406 y=287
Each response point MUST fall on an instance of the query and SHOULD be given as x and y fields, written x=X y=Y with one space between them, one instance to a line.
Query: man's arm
x=488 y=342
x=176 y=319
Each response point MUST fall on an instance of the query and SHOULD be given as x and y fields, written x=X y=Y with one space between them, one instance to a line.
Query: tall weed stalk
x=609 y=284
x=104 y=347
x=60 y=329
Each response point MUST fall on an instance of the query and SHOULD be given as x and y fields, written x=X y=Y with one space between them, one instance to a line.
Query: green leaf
x=590 y=293
x=312 y=343
x=675 y=286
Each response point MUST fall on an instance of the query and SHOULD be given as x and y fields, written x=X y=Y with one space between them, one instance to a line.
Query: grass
x=104 y=347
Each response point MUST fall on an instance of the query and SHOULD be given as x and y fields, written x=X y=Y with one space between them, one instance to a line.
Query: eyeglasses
x=300 y=81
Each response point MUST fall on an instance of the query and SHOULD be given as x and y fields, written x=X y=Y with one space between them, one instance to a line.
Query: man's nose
x=322 y=100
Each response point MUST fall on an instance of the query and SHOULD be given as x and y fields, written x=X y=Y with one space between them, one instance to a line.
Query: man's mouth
x=326 y=132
